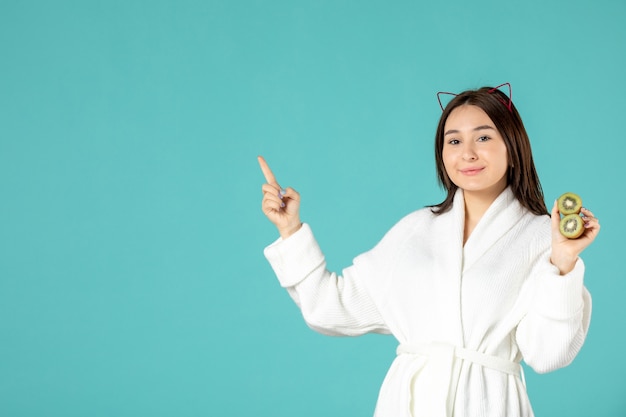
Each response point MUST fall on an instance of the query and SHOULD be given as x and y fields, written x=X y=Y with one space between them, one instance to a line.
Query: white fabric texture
x=496 y=300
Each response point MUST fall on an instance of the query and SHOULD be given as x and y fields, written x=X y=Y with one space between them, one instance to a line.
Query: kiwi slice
x=570 y=203
x=572 y=226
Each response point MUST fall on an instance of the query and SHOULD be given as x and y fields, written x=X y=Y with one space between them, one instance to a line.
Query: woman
x=469 y=287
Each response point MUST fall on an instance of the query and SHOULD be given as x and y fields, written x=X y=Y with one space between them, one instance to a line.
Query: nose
x=469 y=153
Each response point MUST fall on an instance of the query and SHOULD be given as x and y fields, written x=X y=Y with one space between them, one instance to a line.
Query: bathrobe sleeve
x=555 y=326
x=330 y=304
x=349 y=304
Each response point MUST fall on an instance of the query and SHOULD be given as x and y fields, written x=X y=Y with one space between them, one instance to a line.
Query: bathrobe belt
x=446 y=361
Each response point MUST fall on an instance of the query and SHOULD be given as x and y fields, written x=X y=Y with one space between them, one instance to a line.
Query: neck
x=476 y=204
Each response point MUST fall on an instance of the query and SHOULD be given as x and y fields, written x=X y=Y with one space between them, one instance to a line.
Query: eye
x=483 y=138
x=453 y=142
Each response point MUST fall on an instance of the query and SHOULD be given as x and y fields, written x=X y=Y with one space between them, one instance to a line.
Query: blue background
x=132 y=280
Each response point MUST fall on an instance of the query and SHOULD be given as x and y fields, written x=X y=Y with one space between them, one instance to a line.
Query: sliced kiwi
x=572 y=226
x=570 y=203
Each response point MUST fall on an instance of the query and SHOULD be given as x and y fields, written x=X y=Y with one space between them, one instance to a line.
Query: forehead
x=467 y=117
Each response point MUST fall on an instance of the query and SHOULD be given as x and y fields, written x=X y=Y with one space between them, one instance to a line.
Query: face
x=474 y=154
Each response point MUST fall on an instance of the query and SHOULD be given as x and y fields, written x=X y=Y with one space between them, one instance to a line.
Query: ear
x=510 y=95
x=439 y=98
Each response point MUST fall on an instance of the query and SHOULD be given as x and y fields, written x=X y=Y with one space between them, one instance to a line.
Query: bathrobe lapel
x=455 y=258
x=447 y=270
x=499 y=218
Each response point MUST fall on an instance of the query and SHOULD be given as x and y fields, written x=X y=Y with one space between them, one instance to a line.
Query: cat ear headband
x=508 y=105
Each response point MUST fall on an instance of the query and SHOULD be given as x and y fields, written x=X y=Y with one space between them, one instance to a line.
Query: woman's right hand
x=281 y=206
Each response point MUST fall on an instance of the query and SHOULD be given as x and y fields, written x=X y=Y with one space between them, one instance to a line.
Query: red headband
x=508 y=105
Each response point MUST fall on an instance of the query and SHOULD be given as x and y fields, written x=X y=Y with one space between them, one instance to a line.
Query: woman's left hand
x=565 y=251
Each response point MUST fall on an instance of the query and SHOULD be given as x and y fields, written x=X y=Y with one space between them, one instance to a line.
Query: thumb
x=556 y=218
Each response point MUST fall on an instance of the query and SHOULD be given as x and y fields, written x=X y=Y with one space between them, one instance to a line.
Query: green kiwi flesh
x=570 y=203
x=572 y=226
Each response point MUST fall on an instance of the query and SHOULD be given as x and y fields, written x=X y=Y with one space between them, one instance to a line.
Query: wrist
x=565 y=264
x=289 y=230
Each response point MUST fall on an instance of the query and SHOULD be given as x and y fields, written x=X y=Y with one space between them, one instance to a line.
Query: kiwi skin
x=570 y=203
x=572 y=226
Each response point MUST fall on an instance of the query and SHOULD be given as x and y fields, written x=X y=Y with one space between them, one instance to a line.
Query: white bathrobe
x=464 y=315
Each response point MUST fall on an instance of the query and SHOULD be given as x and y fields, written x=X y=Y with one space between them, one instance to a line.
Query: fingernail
x=283 y=192
x=282 y=204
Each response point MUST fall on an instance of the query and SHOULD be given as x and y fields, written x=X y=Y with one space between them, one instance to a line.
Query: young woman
x=469 y=287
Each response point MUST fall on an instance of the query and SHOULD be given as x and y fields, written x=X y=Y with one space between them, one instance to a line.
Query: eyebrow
x=483 y=127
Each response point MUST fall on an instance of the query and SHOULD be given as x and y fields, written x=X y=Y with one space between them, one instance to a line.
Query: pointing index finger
x=267 y=172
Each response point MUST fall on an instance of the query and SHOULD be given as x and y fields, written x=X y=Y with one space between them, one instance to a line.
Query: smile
x=471 y=171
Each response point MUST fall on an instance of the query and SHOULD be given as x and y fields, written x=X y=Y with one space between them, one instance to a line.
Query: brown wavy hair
x=521 y=176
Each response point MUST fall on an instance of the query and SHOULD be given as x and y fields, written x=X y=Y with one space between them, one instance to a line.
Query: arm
x=557 y=321
x=330 y=304
x=556 y=324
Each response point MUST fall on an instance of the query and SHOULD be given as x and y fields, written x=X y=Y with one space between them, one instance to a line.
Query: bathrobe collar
x=500 y=217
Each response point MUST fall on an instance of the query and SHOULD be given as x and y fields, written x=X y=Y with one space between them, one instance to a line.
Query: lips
x=471 y=171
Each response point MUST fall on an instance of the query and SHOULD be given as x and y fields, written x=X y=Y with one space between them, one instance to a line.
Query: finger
x=591 y=231
x=275 y=200
x=267 y=172
x=274 y=193
x=270 y=205
x=271 y=189
x=555 y=216
x=291 y=194
x=591 y=222
x=586 y=212
x=274 y=197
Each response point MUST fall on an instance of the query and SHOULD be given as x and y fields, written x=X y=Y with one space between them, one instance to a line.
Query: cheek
x=497 y=155
x=448 y=158
x=504 y=157
x=502 y=162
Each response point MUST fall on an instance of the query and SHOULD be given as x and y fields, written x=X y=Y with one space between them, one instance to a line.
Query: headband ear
x=439 y=97
x=509 y=104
